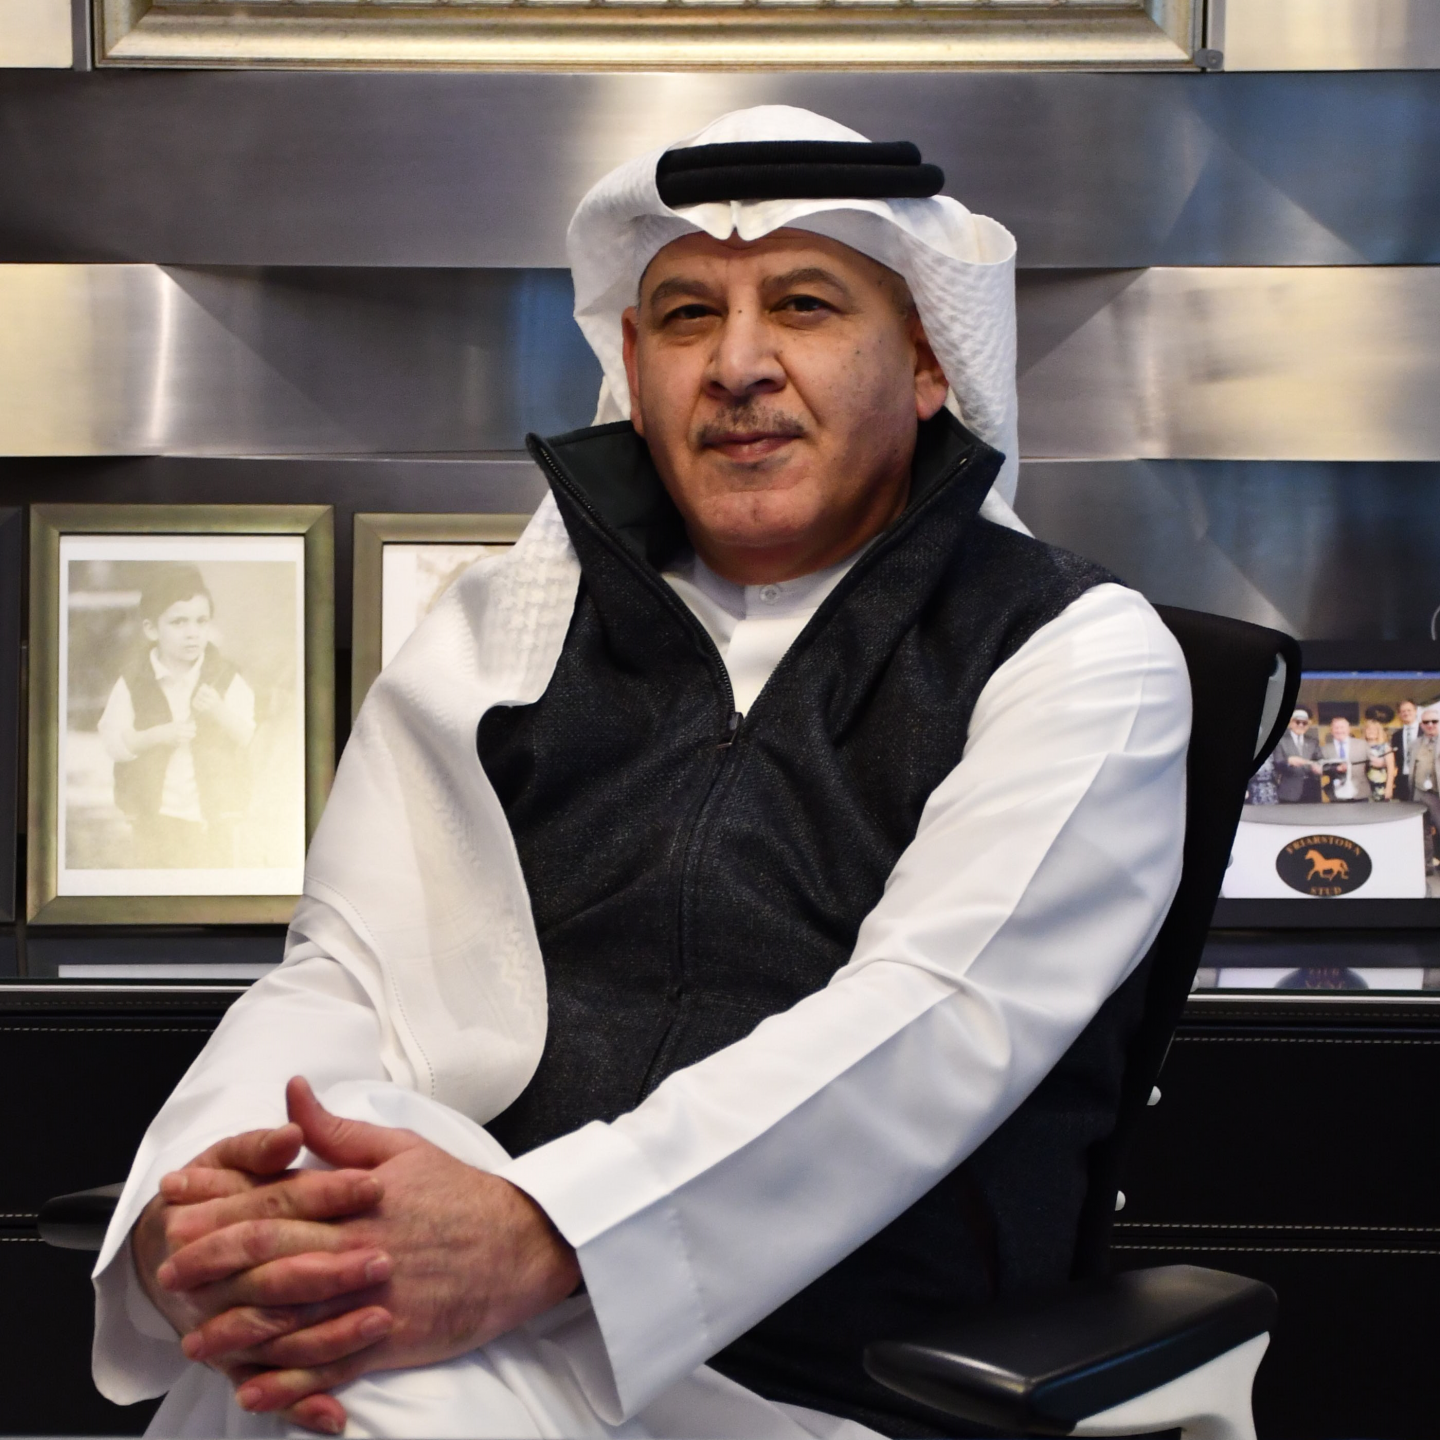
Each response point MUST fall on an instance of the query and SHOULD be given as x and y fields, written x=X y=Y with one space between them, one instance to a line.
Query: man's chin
x=756 y=524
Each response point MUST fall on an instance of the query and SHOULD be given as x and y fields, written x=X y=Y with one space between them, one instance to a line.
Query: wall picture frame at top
x=599 y=35
x=12 y=570
x=404 y=563
x=181 y=710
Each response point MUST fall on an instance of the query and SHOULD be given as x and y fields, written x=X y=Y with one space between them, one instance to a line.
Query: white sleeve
x=1038 y=877
x=310 y=1017
x=117 y=717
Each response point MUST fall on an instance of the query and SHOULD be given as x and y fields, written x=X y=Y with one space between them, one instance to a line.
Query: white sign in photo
x=1305 y=851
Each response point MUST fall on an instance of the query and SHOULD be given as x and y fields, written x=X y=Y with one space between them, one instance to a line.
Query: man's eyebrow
x=679 y=285
x=807 y=275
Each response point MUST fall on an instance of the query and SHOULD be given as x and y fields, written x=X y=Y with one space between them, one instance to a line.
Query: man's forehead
x=701 y=254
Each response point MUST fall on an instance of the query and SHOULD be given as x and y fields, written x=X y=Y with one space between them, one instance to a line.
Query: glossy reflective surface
x=1254 y=363
x=1325 y=551
x=454 y=170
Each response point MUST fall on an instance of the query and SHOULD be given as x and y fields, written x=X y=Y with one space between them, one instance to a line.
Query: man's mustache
x=749 y=420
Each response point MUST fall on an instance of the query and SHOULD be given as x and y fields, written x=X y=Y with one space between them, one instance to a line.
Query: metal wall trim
x=380 y=169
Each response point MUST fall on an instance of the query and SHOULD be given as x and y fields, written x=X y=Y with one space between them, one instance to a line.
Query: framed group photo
x=12 y=550
x=403 y=565
x=181 y=737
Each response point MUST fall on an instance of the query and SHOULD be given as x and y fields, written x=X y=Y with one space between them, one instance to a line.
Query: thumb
x=346 y=1144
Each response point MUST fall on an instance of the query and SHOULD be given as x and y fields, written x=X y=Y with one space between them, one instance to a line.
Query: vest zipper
x=675 y=993
x=657 y=587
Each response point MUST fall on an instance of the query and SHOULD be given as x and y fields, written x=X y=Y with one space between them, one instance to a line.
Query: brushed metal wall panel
x=459 y=170
x=139 y=360
x=1331 y=35
x=1236 y=363
x=1325 y=551
x=1305 y=363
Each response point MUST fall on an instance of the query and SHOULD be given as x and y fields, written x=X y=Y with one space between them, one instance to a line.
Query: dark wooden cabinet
x=1292 y=1142
x=82 y=1071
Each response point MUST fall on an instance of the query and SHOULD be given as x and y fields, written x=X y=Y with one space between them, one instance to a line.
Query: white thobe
x=1040 y=871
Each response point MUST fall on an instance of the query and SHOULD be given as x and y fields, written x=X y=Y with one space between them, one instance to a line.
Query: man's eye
x=683 y=313
x=804 y=304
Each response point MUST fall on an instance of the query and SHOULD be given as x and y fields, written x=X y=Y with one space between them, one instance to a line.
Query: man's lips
x=749 y=444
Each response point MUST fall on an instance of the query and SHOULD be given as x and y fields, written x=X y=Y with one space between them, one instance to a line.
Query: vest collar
x=608 y=471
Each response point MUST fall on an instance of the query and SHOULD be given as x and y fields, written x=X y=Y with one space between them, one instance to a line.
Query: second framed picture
x=181 y=710
x=403 y=565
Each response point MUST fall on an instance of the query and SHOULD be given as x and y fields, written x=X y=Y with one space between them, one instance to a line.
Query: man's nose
x=744 y=362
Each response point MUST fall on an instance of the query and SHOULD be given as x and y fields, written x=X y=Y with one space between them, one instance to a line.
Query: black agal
x=795 y=170
x=691 y=875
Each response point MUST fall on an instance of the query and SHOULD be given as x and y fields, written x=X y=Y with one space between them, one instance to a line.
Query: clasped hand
x=294 y=1282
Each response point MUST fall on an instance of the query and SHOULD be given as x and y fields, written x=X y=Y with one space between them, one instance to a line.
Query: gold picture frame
x=297 y=542
x=373 y=534
x=658 y=35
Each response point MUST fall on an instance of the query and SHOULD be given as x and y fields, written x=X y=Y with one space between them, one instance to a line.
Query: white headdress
x=960 y=267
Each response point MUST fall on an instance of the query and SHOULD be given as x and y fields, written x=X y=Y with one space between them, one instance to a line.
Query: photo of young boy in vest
x=177 y=724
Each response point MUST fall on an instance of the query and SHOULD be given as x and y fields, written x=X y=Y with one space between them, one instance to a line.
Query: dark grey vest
x=691 y=875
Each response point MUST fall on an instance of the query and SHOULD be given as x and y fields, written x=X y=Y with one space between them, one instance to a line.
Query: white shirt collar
x=169 y=677
x=776 y=600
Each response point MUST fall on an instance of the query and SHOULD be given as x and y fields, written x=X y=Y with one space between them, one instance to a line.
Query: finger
x=237 y=1334
x=226 y=1252
x=330 y=1340
x=228 y=1339
x=318 y=1412
x=277 y=1389
x=196 y=1183
x=342 y=1142
x=299 y=1280
x=308 y=1195
x=260 y=1152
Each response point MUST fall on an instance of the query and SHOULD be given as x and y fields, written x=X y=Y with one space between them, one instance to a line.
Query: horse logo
x=1324 y=866
x=1324 y=869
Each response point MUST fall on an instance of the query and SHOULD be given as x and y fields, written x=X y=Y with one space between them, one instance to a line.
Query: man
x=799 y=998
x=1342 y=757
x=1424 y=777
x=1297 y=761
x=1404 y=738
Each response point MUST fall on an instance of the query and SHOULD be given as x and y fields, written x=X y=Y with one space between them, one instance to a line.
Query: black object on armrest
x=1041 y=1366
x=79 y=1221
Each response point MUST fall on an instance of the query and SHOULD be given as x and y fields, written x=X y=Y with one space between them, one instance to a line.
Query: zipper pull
x=732 y=727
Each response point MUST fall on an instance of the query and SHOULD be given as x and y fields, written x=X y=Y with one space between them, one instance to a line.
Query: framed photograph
x=653 y=35
x=12 y=551
x=181 y=710
x=1341 y=826
x=403 y=565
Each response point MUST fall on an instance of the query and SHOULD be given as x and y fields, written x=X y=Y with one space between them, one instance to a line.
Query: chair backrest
x=1242 y=677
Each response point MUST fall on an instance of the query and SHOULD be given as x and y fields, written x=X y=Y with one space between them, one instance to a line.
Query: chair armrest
x=1041 y=1366
x=79 y=1221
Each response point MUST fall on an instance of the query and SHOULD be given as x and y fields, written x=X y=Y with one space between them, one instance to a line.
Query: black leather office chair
x=1176 y=1346
x=1129 y=1354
